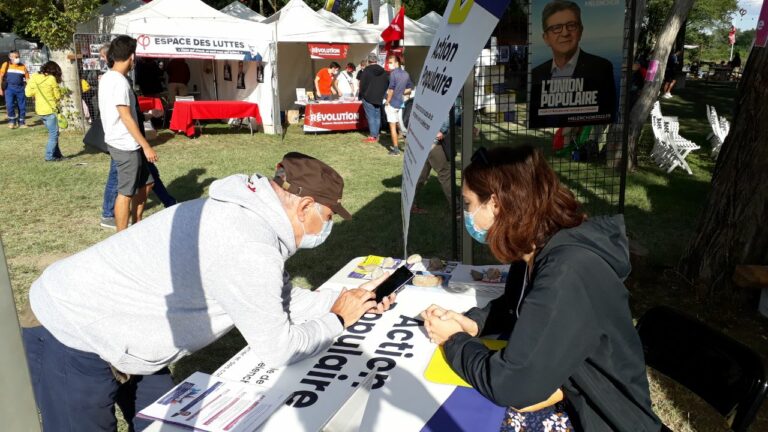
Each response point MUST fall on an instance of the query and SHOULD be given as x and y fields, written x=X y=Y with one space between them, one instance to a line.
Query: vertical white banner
x=463 y=32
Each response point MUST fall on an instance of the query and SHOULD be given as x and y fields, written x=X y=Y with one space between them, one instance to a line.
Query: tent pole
x=215 y=83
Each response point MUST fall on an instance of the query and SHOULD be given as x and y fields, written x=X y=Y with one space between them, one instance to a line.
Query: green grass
x=51 y=210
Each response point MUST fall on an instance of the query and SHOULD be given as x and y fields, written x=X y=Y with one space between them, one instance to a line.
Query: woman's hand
x=466 y=323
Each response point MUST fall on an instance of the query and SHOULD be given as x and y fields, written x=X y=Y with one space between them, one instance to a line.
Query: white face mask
x=310 y=241
x=15 y=60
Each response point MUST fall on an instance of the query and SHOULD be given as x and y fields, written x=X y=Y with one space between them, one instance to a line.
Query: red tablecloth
x=186 y=112
x=150 y=103
x=322 y=117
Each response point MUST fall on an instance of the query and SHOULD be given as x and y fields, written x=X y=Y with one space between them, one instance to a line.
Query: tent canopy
x=432 y=20
x=239 y=10
x=332 y=17
x=11 y=41
x=416 y=34
x=297 y=22
x=104 y=19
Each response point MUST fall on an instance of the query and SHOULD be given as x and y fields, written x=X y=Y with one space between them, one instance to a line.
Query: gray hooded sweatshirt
x=182 y=278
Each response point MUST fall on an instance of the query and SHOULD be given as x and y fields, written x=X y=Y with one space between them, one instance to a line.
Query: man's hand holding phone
x=354 y=303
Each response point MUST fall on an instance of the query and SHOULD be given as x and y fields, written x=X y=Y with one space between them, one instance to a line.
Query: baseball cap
x=306 y=176
x=373 y=58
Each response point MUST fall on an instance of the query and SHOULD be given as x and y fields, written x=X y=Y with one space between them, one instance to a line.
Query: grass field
x=51 y=210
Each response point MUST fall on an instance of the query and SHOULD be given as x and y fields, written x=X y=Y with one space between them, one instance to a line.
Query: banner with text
x=455 y=47
x=395 y=347
x=323 y=117
x=327 y=51
x=200 y=47
x=761 y=37
x=576 y=58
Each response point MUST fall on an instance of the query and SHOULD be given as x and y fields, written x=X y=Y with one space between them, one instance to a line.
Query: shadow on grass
x=185 y=188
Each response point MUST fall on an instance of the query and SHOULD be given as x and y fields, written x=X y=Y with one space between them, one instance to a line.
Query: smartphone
x=394 y=283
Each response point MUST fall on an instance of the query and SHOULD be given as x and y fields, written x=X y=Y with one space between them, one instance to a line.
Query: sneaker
x=24 y=126
x=108 y=222
x=394 y=151
x=57 y=159
x=370 y=140
x=667 y=95
x=12 y=126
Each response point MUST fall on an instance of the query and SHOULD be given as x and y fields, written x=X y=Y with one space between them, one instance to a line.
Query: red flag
x=396 y=29
x=732 y=36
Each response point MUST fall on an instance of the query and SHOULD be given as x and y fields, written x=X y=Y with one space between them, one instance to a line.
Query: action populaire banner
x=327 y=51
x=761 y=38
x=199 y=47
x=575 y=62
x=463 y=32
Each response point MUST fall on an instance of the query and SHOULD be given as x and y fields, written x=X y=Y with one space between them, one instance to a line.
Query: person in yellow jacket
x=44 y=86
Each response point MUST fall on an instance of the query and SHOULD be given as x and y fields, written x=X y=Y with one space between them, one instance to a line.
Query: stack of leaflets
x=369 y=264
x=206 y=403
x=445 y=273
x=462 y=280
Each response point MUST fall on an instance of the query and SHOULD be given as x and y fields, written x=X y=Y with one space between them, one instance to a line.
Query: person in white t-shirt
x=127 y=145
x=346 y=82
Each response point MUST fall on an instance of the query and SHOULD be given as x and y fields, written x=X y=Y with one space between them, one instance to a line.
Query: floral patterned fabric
x=550 y=419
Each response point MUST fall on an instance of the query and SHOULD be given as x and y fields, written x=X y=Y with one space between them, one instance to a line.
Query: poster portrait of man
x=571 y=86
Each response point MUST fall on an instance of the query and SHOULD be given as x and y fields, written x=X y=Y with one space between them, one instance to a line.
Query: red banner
x=396 y=29
x=328 y=51
x=320 y=117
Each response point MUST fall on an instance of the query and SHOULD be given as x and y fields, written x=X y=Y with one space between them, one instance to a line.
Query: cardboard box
x=293 y=116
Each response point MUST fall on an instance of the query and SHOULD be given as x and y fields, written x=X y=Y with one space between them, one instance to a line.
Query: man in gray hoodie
x=104 y=324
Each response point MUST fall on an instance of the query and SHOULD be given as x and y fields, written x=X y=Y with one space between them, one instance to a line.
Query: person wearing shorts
x=400 y=84
x=127 y=146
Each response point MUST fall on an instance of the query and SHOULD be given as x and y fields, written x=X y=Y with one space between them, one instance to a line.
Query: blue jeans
x=373 y=115
x=77 y=391
x=110 y=190
x=52 y=150
x=15 y=100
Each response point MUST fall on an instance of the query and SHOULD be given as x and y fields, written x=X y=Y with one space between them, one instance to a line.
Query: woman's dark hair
x=121 y=48
x=533 y=205
x=52 y=68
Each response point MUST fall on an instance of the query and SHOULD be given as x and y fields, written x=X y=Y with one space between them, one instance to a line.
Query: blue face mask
x=310 y=241
x=474 y=232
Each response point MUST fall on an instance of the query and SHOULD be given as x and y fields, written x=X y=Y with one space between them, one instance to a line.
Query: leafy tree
x=705 y=15
x=53 y=22
x=730 y=230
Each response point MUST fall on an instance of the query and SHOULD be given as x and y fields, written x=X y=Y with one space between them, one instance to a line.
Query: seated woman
x=573 y=360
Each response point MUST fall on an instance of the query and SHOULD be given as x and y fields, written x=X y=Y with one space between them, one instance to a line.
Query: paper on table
x=439 y=371
x=462 y=278
x=206 y=403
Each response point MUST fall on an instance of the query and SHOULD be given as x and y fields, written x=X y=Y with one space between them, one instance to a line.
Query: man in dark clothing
x=570 y=67
x=373 y=87
x=149 y=77
x=178 y=78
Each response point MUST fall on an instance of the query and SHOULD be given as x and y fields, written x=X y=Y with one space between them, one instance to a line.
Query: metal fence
x=89 y=68
x=587 y=159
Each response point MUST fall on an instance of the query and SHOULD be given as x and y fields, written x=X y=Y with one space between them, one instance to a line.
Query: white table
x=402 y=398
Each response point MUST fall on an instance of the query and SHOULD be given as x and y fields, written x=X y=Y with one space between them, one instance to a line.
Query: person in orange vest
x=14 y=76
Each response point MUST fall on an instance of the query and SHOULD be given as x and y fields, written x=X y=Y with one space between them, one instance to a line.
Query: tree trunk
x=665 y=40
x=71 y=104
x=730 y=229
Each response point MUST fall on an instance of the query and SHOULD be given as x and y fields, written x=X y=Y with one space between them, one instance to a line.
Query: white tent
x=211 y=40
x=418 y=38
x=297 y=24
x=239 y=10
x=11 y=41
x=104 y=18
x=432 y=19
x=416 y=34
x=330 y=16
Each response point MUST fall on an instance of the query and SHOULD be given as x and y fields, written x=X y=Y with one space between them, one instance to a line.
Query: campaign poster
x=576 y=58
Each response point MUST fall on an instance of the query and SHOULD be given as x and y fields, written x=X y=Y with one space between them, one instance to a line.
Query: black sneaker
x=108 y=222
x=394 y=151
